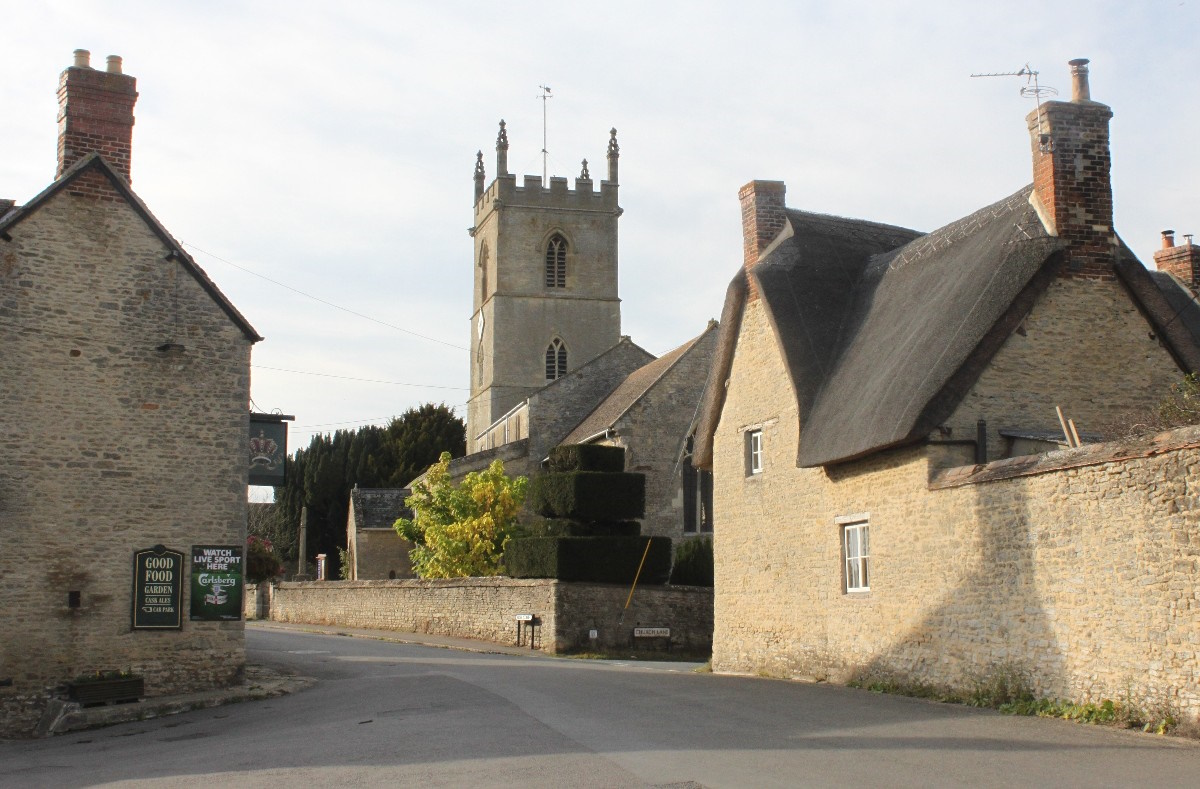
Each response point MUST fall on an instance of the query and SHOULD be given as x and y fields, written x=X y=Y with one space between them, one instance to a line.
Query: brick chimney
x=95 y=113
x=1182 y=261
x=762 y=218
x=1071 y=181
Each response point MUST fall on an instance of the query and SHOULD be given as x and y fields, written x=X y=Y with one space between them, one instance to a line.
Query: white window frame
x=855 y=532
x=754 y=452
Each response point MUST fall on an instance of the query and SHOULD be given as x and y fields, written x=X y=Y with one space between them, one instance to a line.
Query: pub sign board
x=157 y=589
x=217 y=583
x=268 y=449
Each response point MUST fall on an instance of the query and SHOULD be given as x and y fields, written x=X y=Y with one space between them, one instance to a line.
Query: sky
x=316 y=158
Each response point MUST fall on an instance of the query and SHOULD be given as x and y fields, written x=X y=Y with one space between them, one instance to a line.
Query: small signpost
x=157 y=589
x=526 y=623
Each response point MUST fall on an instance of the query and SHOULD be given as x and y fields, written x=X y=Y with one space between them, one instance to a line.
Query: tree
x=461 y=530
x=1181 y=406
x=261 y=562
x=265 y=521
x=417 y=438
x=322 y=476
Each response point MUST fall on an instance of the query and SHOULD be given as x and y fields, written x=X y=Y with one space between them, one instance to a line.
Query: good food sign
x=157 y=589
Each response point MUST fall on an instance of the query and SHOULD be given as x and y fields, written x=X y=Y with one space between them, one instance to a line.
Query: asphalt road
x=404 y=715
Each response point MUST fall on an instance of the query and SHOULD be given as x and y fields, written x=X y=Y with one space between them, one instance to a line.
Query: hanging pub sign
x=268 y=449
x=217 y=582
x=157 y=589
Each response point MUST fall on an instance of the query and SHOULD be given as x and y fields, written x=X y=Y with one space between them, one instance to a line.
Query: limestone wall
x=1081 y=569
x=382 y=553
x=485 y=609
x=1075 y=329
x=109 y=446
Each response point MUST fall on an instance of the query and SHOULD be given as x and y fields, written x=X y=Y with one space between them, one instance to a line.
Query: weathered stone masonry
x=124 y=387
x=485 y=609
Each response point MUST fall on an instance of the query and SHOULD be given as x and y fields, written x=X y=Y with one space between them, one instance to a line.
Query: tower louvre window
x=556 y=360
x=483 y=274
x=556 y=262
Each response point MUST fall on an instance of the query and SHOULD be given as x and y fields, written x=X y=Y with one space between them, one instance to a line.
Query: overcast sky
x=329 y=147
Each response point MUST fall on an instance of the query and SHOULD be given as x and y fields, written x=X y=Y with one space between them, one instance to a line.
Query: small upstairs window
x=556 y=360
x=556 y=262
x=754 y=455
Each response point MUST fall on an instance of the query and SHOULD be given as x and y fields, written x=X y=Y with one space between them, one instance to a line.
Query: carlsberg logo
x=216 y=581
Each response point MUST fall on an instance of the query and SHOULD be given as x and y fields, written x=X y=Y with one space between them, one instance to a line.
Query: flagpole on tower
x=545 y=97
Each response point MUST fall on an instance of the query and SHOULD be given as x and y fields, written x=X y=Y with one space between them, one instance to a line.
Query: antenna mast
x=545 y=97
x=1031 y=90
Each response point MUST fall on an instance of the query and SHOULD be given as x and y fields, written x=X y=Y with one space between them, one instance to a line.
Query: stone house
x=373 y=548
x=124 y=394
x=860 y=365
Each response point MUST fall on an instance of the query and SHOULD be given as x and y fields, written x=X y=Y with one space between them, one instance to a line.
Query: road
x=402 y=715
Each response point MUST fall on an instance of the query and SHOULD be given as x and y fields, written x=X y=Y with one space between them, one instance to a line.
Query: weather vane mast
x=545 y=97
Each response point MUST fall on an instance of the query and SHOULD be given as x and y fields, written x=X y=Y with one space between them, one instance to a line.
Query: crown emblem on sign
x=263 y=451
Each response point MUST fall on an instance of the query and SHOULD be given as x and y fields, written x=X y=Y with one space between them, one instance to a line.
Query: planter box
x=107 y=691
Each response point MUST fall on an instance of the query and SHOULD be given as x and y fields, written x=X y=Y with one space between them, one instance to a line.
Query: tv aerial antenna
x=545 y=96
x=1031 y=90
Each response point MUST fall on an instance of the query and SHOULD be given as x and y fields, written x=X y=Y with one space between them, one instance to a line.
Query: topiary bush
x=693 y=563
x=561 y=527
x=587 y=457
x=589 y=495
x=596 y=559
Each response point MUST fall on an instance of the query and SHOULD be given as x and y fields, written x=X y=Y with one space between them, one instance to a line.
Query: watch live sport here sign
x=217 y=582
x=157 y=589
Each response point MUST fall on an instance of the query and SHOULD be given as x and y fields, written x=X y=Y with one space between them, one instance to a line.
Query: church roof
x=95 y=161
x=884 y=330
x=632 y=390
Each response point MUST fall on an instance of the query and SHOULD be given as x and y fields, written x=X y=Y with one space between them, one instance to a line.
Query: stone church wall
x=485 y=609
x=654 y=431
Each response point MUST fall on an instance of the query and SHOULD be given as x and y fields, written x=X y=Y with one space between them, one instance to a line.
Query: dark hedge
x=560 y=527
x=589 y=495
x=693 y=563
x=597 y=559
x=587 y=457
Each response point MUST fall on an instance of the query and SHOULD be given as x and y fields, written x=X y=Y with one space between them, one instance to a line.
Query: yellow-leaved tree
x=461 y=530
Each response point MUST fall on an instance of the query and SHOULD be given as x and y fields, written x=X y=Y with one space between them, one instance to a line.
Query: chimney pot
x=114 y=64
x=1080 y=90
x=1168 y=239
x=83 y=59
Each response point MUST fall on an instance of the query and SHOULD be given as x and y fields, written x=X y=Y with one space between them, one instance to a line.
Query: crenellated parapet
x=505 y=191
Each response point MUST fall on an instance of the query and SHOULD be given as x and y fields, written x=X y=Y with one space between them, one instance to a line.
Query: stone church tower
x=545 y=299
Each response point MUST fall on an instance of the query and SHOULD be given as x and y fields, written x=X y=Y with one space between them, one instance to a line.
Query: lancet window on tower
x=556 y=360
x=556 y=262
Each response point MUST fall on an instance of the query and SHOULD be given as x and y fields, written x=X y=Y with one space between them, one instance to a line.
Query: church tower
x=545 y=299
